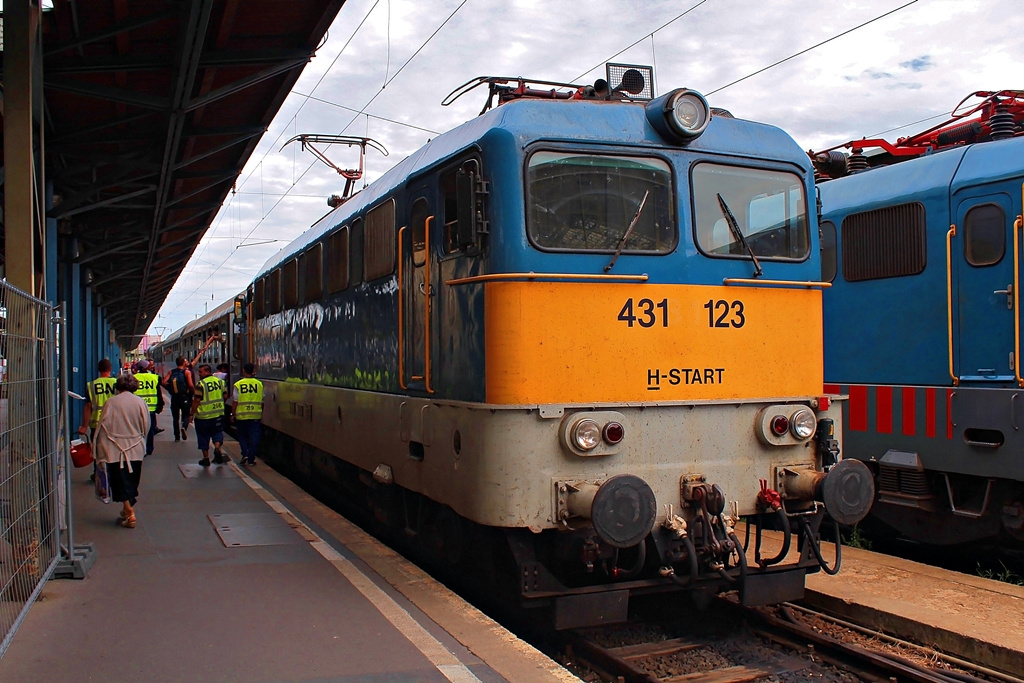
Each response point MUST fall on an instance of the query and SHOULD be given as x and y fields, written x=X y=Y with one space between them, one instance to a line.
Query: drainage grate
x=252 y=529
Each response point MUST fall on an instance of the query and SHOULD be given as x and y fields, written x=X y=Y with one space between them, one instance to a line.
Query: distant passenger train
x=581 y=332
x=922 y=323
x=211 y=338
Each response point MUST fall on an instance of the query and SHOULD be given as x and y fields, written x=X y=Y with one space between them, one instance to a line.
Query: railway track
x=779 y=644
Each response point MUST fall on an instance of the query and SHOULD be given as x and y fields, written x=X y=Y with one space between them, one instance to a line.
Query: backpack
x=178 y=384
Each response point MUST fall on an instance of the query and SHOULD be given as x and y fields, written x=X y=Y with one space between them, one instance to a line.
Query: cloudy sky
x=887 y=63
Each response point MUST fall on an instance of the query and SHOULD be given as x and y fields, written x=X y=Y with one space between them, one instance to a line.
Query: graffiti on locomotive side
x=676 y=376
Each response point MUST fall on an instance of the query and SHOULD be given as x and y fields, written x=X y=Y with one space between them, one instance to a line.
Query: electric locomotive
x=581 y=332
x=921 y=241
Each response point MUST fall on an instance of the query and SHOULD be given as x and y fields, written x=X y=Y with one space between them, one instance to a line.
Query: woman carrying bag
x=121 y=444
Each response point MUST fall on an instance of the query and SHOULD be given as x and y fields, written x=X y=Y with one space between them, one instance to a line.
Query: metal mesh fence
x=32 y=506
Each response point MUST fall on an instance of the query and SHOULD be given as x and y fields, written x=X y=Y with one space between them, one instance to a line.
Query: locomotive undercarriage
x=943 y=508
x=580 y=578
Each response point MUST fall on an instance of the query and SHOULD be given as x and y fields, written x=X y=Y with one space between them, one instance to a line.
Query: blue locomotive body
x=922 y=330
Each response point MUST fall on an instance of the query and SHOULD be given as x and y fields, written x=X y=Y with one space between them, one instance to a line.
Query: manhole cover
x=250 y=529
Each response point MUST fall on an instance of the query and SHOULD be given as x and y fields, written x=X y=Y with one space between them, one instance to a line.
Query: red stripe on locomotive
x=883 y=410
x=909 y=411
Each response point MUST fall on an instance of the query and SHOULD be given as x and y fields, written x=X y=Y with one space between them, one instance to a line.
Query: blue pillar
x=51 y=251
x=77 y=370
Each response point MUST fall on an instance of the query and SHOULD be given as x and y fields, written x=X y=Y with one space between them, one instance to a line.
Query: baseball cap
x=142 y=365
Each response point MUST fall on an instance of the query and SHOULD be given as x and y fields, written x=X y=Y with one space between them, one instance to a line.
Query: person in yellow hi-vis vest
x=100 y=389
x=149 y=391
x=246 y=413
x=207 y=413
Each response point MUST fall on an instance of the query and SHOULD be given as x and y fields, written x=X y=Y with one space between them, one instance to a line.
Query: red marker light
x=613 y=432
x=780 y=425
x=824 y=402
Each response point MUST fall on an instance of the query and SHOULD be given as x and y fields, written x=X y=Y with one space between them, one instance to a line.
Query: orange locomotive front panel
x=550 y=342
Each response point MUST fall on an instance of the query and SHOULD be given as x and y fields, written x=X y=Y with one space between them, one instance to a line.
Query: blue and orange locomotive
x=581 y=331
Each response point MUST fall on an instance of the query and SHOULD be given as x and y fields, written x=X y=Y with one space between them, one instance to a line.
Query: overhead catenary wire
x=812 y=47
x=642 y=38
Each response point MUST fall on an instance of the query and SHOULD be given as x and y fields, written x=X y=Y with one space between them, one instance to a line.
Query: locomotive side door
x=415 y=295
x=984 y=271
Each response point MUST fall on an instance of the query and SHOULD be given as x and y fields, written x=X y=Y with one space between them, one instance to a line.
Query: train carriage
x=588 y=324
x=922 y=323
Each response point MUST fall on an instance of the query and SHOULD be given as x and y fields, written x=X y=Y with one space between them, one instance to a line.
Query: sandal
x=128 y=522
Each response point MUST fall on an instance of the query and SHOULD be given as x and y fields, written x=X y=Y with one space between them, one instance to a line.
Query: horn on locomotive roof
x=635 y=82
x=351 y=175
x=998 y=116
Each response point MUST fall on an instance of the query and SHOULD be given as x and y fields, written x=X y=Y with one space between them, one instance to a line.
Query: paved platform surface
x=980 y=620
x=234 y=574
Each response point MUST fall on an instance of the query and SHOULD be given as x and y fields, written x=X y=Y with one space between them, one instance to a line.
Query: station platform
x=235 y=574
x=977 y=619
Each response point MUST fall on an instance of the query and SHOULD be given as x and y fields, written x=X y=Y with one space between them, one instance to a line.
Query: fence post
x=76 y=559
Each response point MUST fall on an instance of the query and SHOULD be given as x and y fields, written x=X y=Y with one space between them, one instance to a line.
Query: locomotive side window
x=450 y=195
x=311 y=265
x=337 y=268
x=290 y=284
x=886 y=242
x=418 y=230
x=769 y=207
x=586 y=202
x=274 y=293
x=985 y=235
x=379 y=247
x=829 y=264
x=257 y=298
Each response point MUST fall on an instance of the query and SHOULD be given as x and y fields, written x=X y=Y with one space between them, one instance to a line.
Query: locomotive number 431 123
x=648 y=313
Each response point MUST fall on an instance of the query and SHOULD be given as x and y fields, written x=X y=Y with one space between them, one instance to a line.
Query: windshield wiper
x=625 y=236
x=735 y=227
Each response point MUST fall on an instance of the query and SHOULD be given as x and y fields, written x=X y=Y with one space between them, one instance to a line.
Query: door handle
x=1009 y=295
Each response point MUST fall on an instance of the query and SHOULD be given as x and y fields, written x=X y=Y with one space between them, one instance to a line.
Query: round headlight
x=803 y=423
x=586 y=435
x=679 y=116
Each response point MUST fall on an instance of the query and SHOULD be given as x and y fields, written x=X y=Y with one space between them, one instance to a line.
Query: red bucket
x=81 y=454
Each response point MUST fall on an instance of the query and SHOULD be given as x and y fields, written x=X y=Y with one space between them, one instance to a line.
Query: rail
x=655 y=660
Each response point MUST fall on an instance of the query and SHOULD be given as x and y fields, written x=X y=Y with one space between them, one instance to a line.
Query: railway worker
x=149 y=391
x=99 y=390
x=246 y=413
x=182 y=388
x=207 y=412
